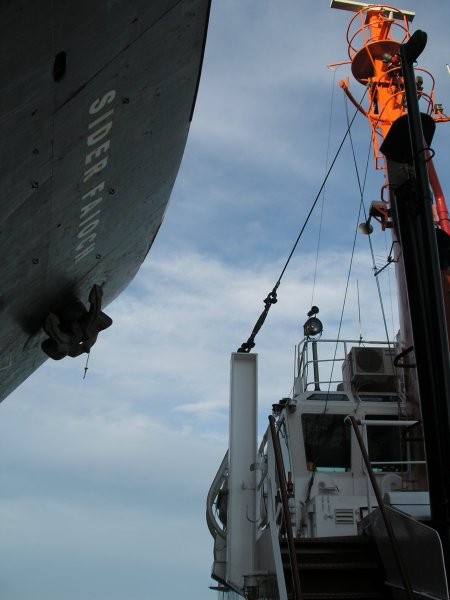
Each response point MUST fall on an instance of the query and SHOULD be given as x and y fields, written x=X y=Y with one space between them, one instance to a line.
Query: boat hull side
x=91 y=158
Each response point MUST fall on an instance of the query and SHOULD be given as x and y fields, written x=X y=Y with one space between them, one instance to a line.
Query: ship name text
x=95 y=160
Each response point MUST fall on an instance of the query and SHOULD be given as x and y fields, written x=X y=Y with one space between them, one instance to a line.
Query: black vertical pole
x=415 y=223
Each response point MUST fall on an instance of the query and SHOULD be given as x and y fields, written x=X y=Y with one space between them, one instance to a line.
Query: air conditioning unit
x=370 y=370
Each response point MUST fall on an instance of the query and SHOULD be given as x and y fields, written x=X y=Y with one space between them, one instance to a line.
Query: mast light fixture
x=366 y=228
x=313 y=326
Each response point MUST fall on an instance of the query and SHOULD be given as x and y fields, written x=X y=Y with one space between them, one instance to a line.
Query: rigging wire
x=333 y=86
x=344 y=302
x=359 y=312
x=320 y=438
x=376 y=272
x=361 y=191
x=390 y=297
x=380 y=296
x=361 y=208
x=272 y=296
x=361 y=187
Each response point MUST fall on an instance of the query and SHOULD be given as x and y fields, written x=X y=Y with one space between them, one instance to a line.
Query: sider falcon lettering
x=96 y=159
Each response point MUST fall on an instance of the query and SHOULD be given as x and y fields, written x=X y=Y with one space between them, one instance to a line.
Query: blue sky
x=103 y=481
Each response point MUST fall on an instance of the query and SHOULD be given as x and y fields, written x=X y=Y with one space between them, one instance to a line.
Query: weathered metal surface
x=95 y=109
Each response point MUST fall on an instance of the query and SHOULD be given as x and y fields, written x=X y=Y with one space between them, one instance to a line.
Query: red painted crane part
x=374 y=36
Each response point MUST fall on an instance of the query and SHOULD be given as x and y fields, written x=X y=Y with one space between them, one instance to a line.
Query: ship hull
x=95 y=112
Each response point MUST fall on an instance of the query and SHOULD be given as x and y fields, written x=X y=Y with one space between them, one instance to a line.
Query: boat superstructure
x=96 y=106
x=346 y=496
x=329 y=496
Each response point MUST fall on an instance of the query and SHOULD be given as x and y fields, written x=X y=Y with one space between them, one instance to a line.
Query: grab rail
x=333 y=352
x=393 y=541
x=374 y=463
x=213 y=525
x=285 y=504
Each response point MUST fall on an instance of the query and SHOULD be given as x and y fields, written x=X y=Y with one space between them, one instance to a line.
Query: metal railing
x=334 y=353
x=390 y=531
x=375 y=463
x=286 y=512
x=215 y=528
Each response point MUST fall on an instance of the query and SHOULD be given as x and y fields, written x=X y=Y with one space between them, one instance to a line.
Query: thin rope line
x=272 y=296
x=318 y=193
x=361 y=188
x=361 y=206
x=327 y=156
x=359 y=312
x=361 y=191
x=380 y=296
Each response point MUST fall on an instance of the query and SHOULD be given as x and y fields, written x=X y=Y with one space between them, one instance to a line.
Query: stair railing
x=285 y=504
x=389 y=529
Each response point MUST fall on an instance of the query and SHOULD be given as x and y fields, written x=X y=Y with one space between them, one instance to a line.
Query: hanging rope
x=272 y=296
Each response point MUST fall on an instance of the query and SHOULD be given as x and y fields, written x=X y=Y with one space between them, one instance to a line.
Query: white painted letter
x=100 y=103
x=87 y=207
x=88 y=229
x=99 y=134
x=83 y=223
x=102 y=148
x=103 y=117
x=94 y=190
x=90 y=238
x=95 y=169
x=84 y=253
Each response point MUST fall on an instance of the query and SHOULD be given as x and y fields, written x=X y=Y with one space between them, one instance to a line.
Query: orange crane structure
x=374 y=36
x=402 y=113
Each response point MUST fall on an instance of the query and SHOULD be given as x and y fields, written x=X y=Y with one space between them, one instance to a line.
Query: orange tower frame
x=374 y=36
x=403 y=114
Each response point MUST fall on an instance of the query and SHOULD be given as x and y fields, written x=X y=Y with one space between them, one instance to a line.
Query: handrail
x=390 y=531
x=285 y=504
x=211 y=521
x=340 y=354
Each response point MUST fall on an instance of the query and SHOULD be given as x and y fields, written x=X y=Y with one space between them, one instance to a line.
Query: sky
x=103 y=480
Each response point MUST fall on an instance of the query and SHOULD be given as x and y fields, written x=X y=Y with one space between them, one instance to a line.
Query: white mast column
x=242 y=481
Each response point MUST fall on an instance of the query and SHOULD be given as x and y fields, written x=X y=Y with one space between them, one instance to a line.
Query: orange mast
x=374 y=36
x=383 y=57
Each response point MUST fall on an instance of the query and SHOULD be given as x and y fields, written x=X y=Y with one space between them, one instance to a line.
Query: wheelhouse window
x=327 y=442
x=328 y=397
x=386 y=444
x=379 y=397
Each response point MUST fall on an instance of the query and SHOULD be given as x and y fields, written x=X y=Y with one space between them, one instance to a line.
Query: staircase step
x=344 y=568
x=357 y=566
x=324 y=551
x=343 y=596
x=339 y=581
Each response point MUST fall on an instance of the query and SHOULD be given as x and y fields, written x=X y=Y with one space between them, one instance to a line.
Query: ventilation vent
x=369 y=360
x=344 y=516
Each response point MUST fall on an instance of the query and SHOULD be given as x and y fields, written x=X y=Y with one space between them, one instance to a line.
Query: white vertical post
x=242 y=481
